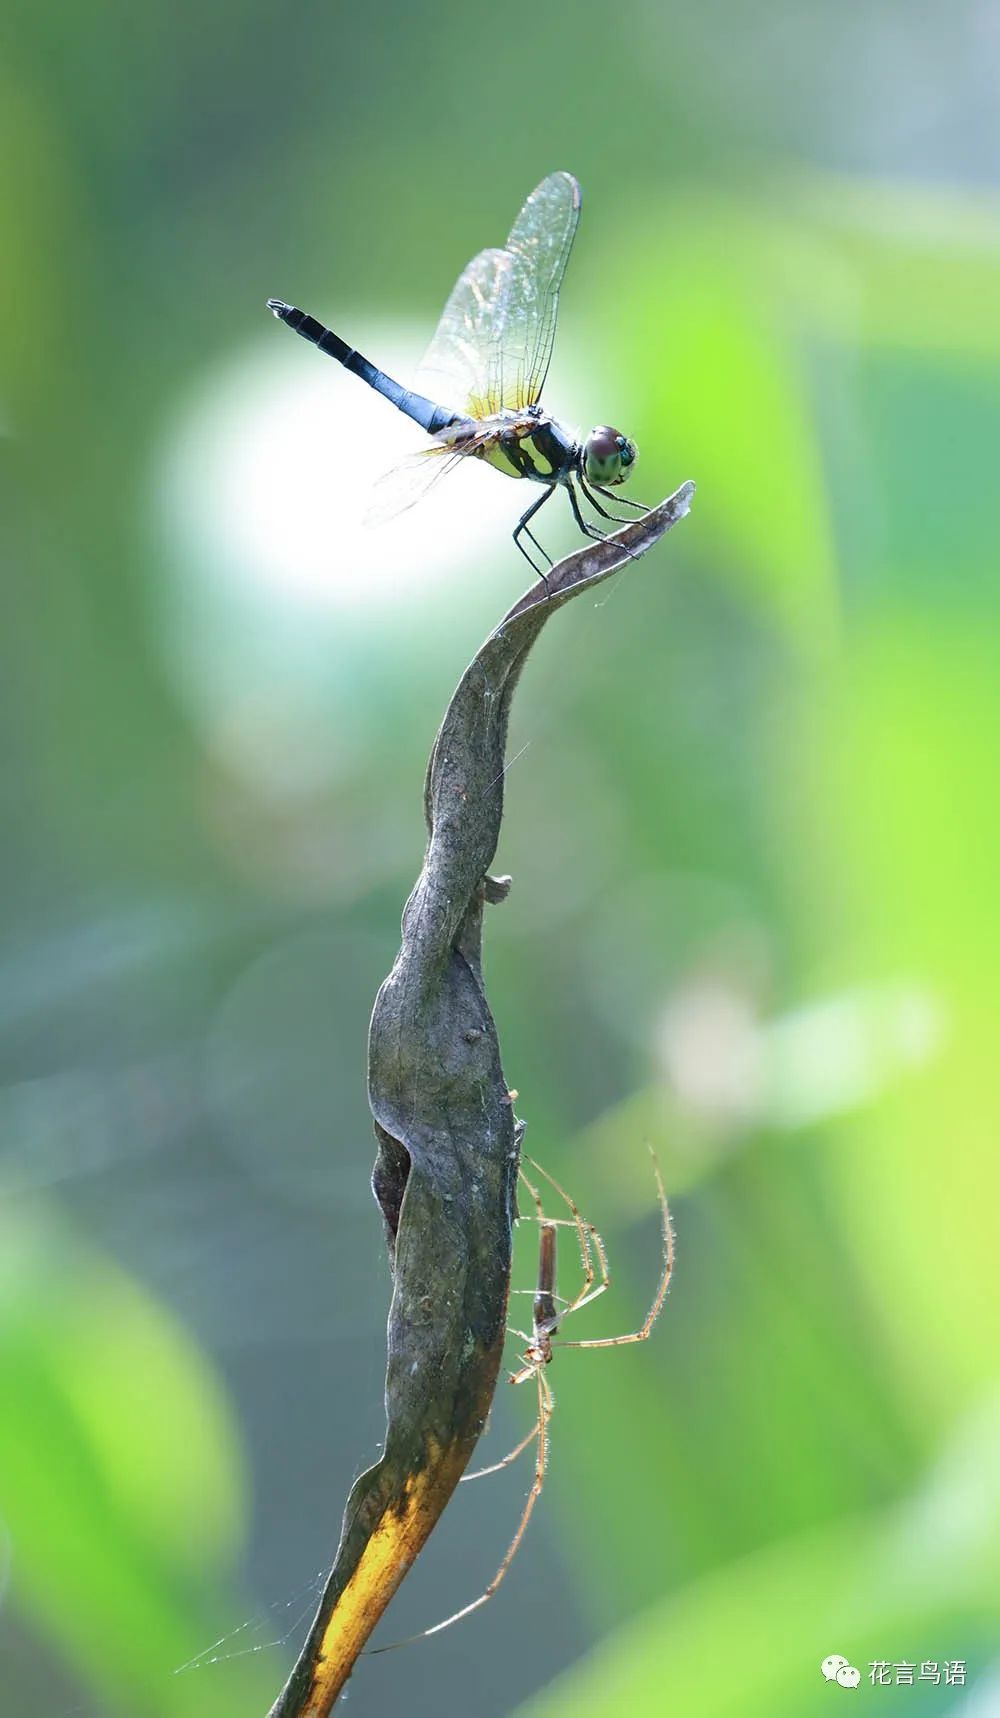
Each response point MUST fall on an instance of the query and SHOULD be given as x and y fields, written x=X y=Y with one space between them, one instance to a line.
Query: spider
x=547 y=1317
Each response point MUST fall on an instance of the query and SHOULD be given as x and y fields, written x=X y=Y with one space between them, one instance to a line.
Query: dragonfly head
x=608 y=456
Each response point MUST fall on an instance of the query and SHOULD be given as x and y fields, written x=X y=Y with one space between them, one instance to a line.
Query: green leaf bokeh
x=751 y=818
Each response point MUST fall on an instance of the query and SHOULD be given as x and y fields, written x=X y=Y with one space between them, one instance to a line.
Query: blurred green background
x=752 y=822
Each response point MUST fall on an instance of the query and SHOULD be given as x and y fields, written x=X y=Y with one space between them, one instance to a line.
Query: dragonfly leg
x=588 y=530
x=625 y=500
x=592 y=530
x=522 y=525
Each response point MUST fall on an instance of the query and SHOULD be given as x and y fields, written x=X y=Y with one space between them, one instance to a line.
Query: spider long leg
x=545 y=1405
x=533 y=1190
x=528 y=1370
x=587 y=1235
x=495 y=1467
x=583 y=1230
x=660 y=1296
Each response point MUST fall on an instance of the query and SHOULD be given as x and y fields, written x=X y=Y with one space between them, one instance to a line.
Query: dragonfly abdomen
x=426 y=413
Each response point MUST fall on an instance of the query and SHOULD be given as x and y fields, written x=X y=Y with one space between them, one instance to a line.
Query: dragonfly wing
x=458 y=364
x=494 y=341
x=407 y=483
x=539 y=245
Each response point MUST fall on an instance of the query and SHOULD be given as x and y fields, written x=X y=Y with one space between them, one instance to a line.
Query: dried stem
x=447 y=1143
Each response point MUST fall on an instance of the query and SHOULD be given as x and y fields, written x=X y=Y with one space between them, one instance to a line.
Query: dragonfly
x=481 y=380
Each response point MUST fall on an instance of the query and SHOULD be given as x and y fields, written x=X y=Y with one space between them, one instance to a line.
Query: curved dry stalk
x=447 y=1145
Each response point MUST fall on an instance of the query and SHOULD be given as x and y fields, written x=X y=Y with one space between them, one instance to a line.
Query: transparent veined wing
x=456 y=368
x=539 y=243
x=494 y=340
x=409 y=481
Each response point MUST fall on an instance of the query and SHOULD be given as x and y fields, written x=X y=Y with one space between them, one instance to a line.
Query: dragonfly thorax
x=529 y=444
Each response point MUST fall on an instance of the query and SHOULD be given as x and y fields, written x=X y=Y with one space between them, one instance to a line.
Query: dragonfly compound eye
x=608 y=456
